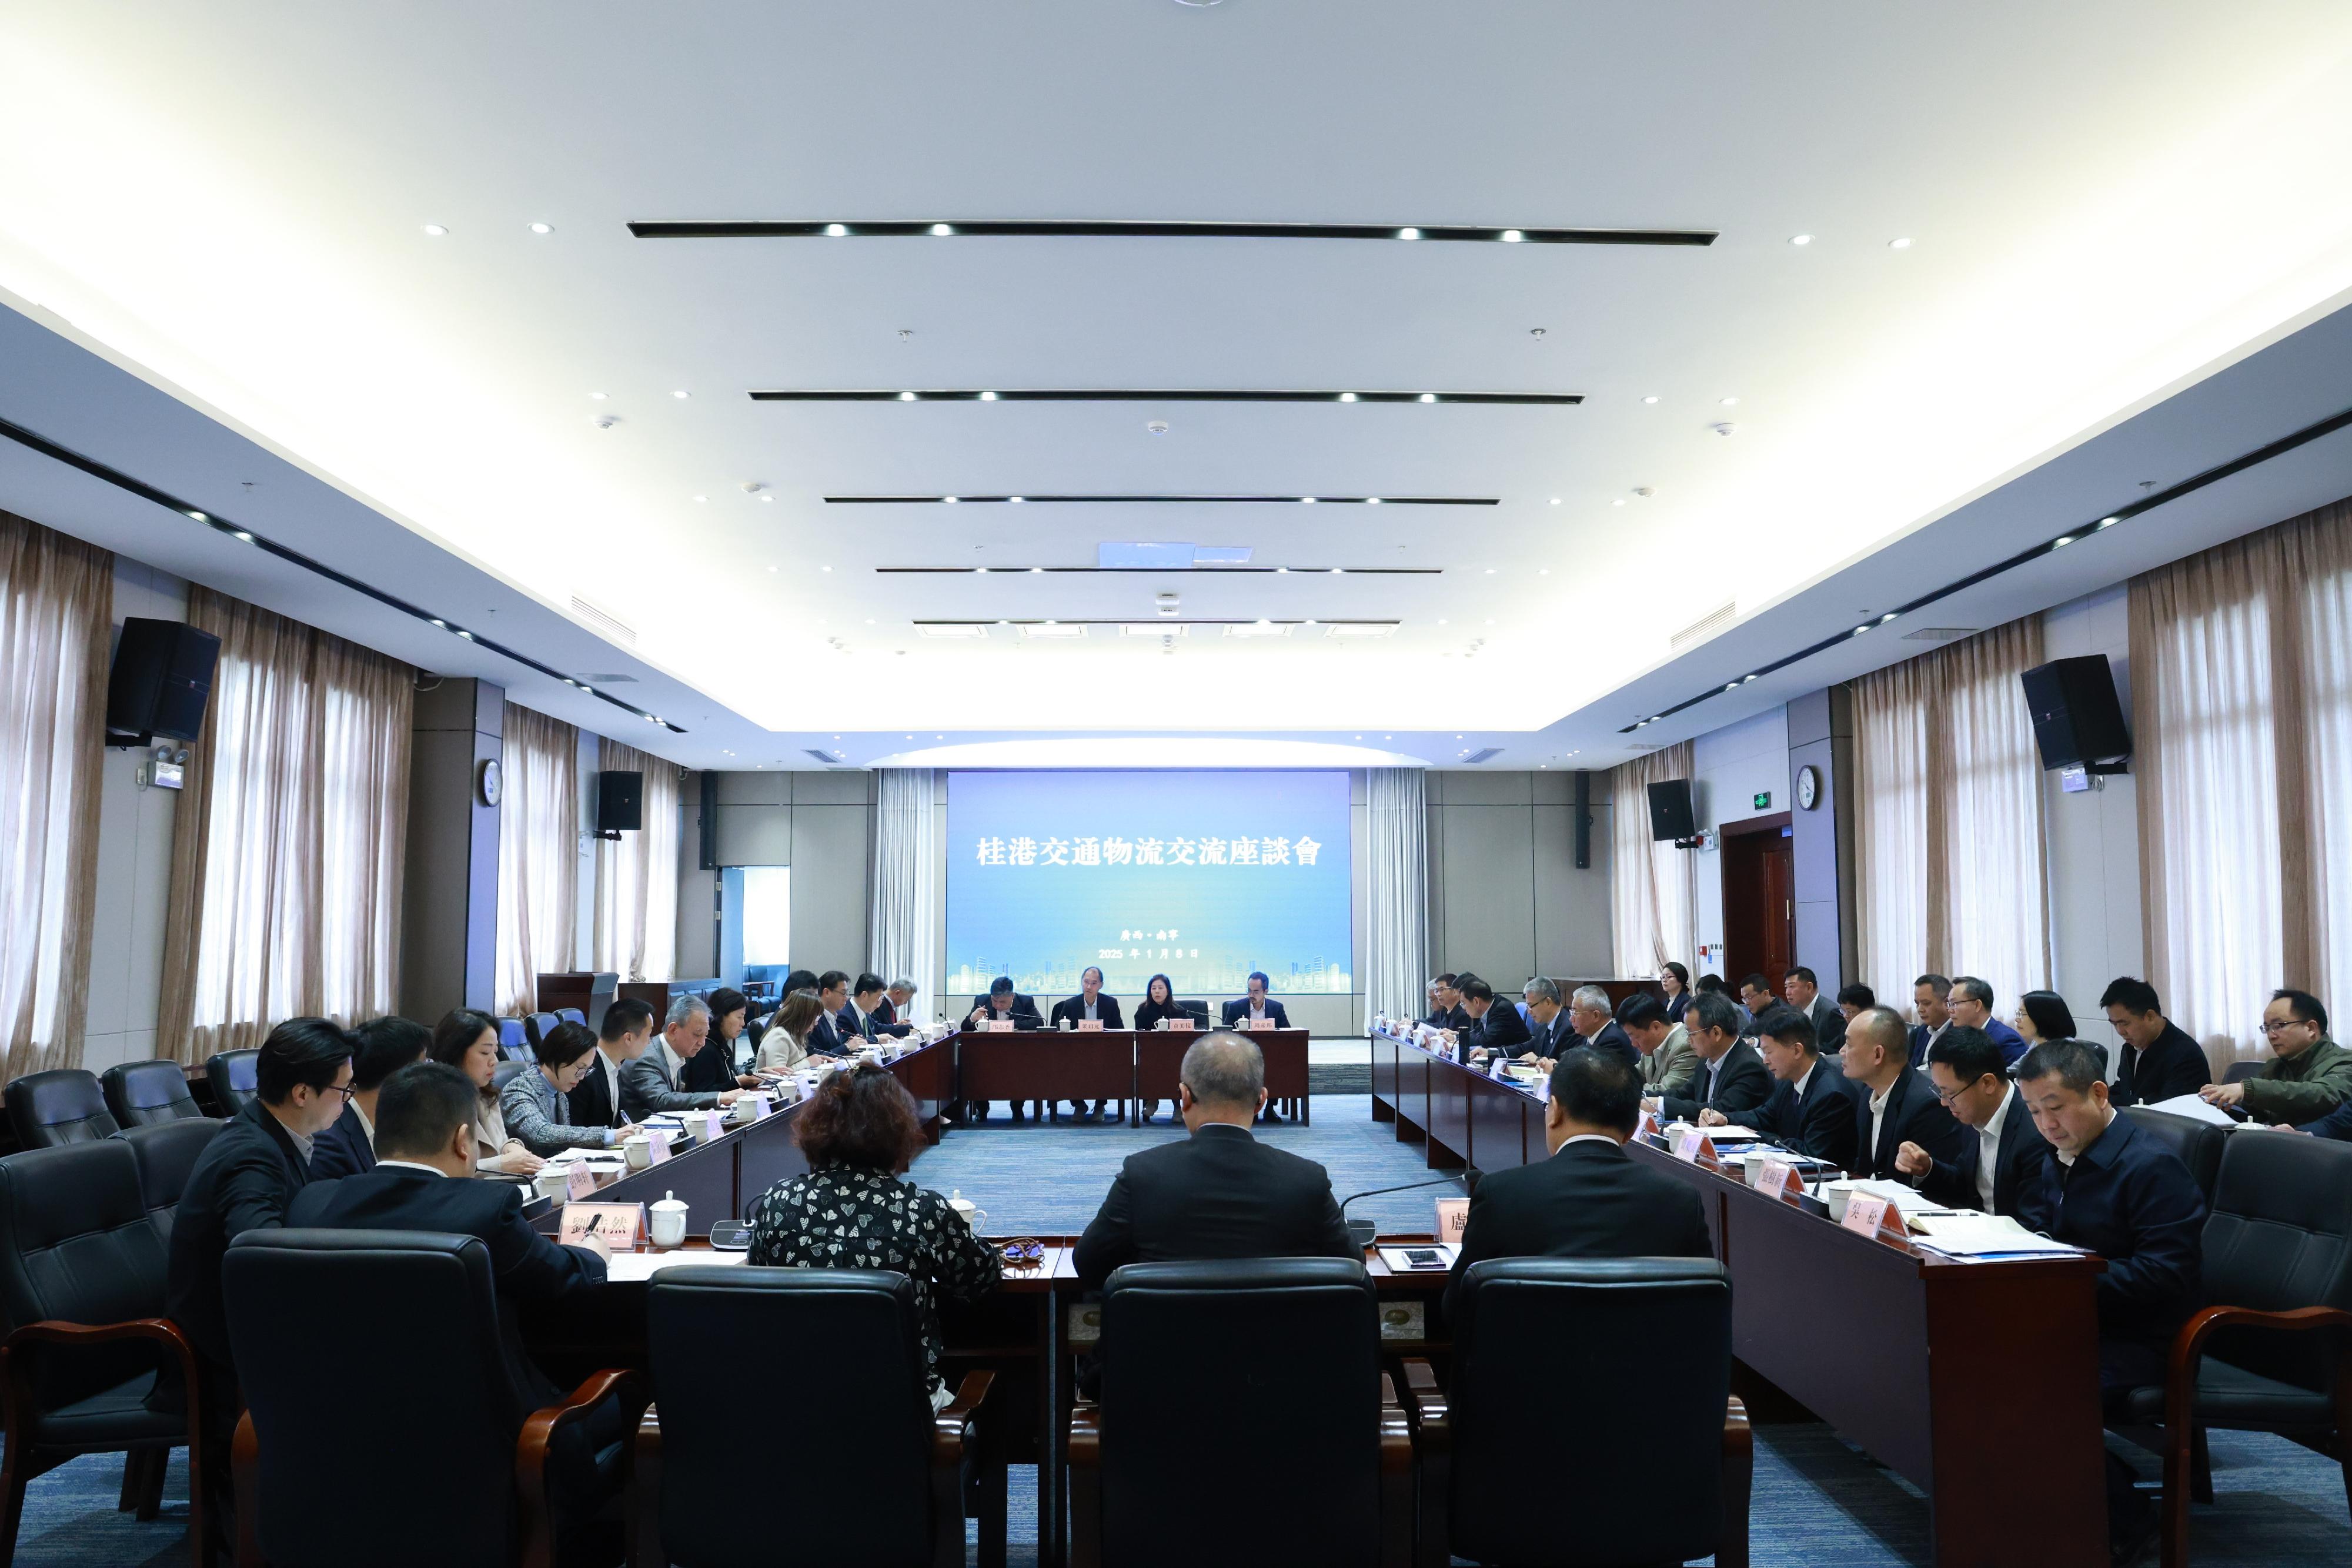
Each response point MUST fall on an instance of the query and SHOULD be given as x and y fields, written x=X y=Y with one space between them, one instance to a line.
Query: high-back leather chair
x=2199 y=1143
x=92 y=1364
x=1242 y=1367
x=1605 y=1423
x=64 y=1106
x=235 y=1080
x=538 y=1026
x=166 y=1152
x=458 y=1470
x=140 y=1093
x=505 y=1073
x=901 y=1502
x=514 y=1043
x=2238 y=1071
x=571 y=1015
x=2272 y=1351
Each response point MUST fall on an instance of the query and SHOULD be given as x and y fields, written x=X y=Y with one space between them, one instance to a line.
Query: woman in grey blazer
x=537 y=1106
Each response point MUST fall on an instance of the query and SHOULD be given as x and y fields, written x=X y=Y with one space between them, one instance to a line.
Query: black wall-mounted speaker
x=709 y=822
x=162 y=677
x=1581 y=821
x=1670 y=810
x=620 y=802
x=2076 y=716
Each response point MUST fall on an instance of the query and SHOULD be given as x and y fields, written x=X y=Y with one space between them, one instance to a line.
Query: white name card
x=617 y=1225
x=1868 y=1216
x=1693 y=1146
x=1453 y=1215
x=581 y=1183
x=1780 y=1179
x=657 y=1139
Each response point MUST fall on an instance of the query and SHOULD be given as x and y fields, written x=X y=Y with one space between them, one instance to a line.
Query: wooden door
x=1759 y=907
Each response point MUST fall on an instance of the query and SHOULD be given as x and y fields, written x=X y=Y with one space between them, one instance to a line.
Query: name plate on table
x=657 y=1145
x=1867 y=1215
x=617 y=1225
x=714 y=1123
x=1693 y=1146
x=1183 y=1023
x=1257 y=1023
x=1649 y=1127
x=1000 y=1026
x=1780 y=1179
x=580 y=1183
x=1090 y=1025
x=1453 y=1215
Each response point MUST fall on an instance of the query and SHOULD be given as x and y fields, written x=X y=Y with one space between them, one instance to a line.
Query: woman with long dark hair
x=1159 y=1002
x=468 y=1039
x=1674 y=981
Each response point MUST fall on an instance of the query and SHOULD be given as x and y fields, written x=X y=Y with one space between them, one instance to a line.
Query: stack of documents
x=1982 y=1236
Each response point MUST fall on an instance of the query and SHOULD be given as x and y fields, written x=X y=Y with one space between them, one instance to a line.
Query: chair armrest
x=1396 y=1434
x=1738 y=1481
x=244 y=1468
x=2188 y=1347
x=538 y=1438
x=948 y=1425
x=1425 y=1403
x=644 y=1506
x=54 y=1330
x=1086 y=1435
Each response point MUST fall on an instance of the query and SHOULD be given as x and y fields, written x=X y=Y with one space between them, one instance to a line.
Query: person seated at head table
x=1445 y=993
x=1853 y=998
x=628 y=1030
x=244 y=1180
x=1668 y=1063
x=2308 y=1074
x=1811 y=1109
x=468 y=1039
x=890 y=1014
x=786 y=1045
x=1729 y=1076
x=836 y=1031
x=381 y=1047
x=1003 y=1004
x=426 y=1132
x=1588 y=1199
x=850 y=1210
x=1892 y=1104
x=537 y=1104
x=2002 y=1149
x=1971 y=1004
x=1256 y=1006
x=1549 y=1034
x=1159 y=1003
x=715 y=1066
x=2159 y=1062
x=1495 y=1028
x=1800 y=989
x=649 y=1084
x=1088 y=1004
x=2115 y=1190
x=1675 y=982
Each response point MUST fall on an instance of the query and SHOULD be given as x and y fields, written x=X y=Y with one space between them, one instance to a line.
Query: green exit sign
x=1763 y=799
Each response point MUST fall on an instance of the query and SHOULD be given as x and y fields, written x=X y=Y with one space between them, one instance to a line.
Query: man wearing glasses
x=2308 y=1075
x=1971 y=1079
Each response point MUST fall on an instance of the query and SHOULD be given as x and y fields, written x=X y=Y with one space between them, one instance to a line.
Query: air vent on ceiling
x=614 y=679
x=952 y=629
x=603 y=620
x=1482 y=753
x=827 y=757
x=1939 y=634
x=1706 y=625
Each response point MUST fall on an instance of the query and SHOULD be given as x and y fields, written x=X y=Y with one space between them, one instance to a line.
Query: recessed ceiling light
x=1282 y=572
x=1311 y=622
x=905 y=397
x=951 y=500
x=1429 y=397
x=1017 y=499
x=941 y=229
x=981 y=570
x=825 y=568
x=1800 y=239
x=835 y=230
x=767 y=498
x=542 y=229
x=596 y=397
x=1904 y=244
x=1540 y=571
x=468 y=636
x=200 y=516
x=1555 y=500
x=443 y=624
x=241 y=534
x=702 y=498
x=1372 y=500
x=870 y=620
x=1337 y=570
x=1404 y=233
x=1729 y=401
x=2109 y=522
x=988 y=397
x=1490 y=621
x=1618 y=502
x=1306 y=500
x=1512 y=236
x=436 y=230
x=771 y=568
x=1886 y=618
x=1650 y=398
x=681 y=393
x=1037 y=570
x=1347 y=397
x=2063 y=542
x=1490 y=571
x=1441 y=620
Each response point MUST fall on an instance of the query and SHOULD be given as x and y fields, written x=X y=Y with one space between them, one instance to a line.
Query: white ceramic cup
x=973 y=1215
x=666 y=1222
x=746 y=1108
x=1835 y=1194
x=554 y=1181
x=638 y=1150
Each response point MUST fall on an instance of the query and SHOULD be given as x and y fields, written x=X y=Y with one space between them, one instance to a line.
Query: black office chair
x=2238 y=1071
x=235 y=1080
x=902 y=1502
x=505 y=1073
x=166 y=1152
x=2199 y=1143
x=140 y=1093
x=1251 y=1366
x=64 y=1106
x=537 y=1027
x=2272 y=1351
x=92 y=1364
x=458 y=1468
x=1606 y=1424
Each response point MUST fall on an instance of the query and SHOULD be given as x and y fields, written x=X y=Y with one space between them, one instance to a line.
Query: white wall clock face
x=489 y=782
x=1809 y=787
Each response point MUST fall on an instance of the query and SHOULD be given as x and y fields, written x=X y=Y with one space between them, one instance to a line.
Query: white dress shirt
x=1988 y=1147
x=606 y=1069
x=1877 y=1113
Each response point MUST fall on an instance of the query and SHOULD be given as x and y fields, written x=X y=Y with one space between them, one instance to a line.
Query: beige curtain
x=1947 y=819
x=637 y=878
x=539 y=859
x=1653 y=888
x=287 y=863
x=2241 y=711
x=56 y=597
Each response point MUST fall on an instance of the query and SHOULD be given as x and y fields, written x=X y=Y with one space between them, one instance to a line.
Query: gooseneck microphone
x=1362 y=1231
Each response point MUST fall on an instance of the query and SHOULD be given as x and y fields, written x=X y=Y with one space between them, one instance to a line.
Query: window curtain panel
x=1653 y=885
x=539 y=862
x=1396 y=891
x=904 y=939
x=1947 y=821
x=57 y=598
x=285 y=896
x=637 y=877
x=2241 y=719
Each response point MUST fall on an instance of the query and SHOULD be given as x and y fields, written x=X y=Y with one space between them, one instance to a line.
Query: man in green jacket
x=2309 y=1076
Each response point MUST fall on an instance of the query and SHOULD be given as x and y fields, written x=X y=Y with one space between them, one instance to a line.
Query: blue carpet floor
x=1819 y=1502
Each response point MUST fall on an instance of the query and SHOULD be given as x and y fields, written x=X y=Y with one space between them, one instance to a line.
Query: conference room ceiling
x=2027 y=232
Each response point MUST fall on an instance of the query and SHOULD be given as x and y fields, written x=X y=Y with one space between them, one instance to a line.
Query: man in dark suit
x=1001 y=1005
x=1892 y=1104
x=2002 y=1149
x=890 y=1015
x=1588 y=1199
x=1549 y=1034
x=382 y=1048
x=244 y=1180
x=1810 y=1110
x=1596 y=1025
x=1256 y=1007
x=1931 y=1000
x=626 y=1031
x=649 y=1086
x=1445 y=1004
x=1730 y=1077
x=837 y=1028
x=1804 y=994
x=1088 y=1005
x=2160 y=1062
x=1972 y=1005
x=2110 y=1187
x=1496 y=1027
x=425 y=1153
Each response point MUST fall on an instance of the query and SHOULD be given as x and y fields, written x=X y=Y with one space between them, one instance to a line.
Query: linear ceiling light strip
x=1046 y=228
x=1134 y=571
x=218 y=524
x=1165 y=620
x=2195 y=482
x=1168 y=500
x=1161 y=394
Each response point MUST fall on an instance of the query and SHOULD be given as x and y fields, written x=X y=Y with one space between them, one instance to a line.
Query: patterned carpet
x=1818 y=1503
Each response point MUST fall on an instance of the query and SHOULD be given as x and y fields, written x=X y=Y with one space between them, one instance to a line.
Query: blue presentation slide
x=1201 y=876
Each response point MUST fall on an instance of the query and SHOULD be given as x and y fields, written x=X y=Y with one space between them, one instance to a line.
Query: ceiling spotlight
x=542 y=229
x=1731 y=686
x=2063 y=541
x=1543 y=572
x=771 y=568
x=1310 y=624
x=941 y=229
x=1729 y=401
x=835 y=230
x=2109 y=522
x=1405 y=234
x=988 y=397
x=1490 y=571
x=1347 y=397
x=1860 y=630
x=1157 y=427
x=1037 y=571
x=1555 y=500
x=1490 y=621
x=825 y=568
x=1441 y=620
x=1898 y=245
x=681 y=394
x=1800 y=239
x=1337 y=570
x=200 y=516
x=870 y=620
x=1016 y=500
x=1652 y=398
x=1512 y=236
x=1282 y=572
x=1723 y=428
x=1619 y=502
x=436 y=230
x=596 y=397
x=702 y=498
x=766 y=498
x=1745 y=679
x=241 y=534
x=905 y=397
x=1372 y=500
x=1886 y=618
x=1429 y=397
x=468 y=636
x=443 y=624
x=981 y=571
x=951 y=500
x=1306 y=500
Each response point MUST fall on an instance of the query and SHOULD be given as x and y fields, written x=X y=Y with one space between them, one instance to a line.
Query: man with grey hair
x=1553 y=1036
x=1220 y=1193
x=1589 y=1014
x=892 y=1013
x=650 y=1084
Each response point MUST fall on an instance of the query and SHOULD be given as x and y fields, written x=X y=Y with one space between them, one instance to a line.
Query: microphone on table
x=1362 y=1231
